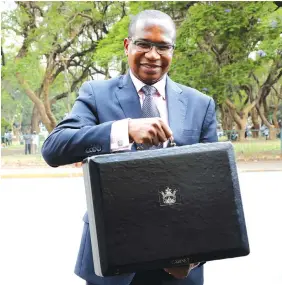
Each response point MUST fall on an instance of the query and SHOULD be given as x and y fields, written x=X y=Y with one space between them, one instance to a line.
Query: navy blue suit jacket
x=86 y=132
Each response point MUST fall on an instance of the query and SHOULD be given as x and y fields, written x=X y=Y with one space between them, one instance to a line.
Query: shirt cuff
x=119 y=136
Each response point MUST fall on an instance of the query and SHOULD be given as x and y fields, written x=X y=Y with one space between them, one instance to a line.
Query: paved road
x=71 y=171
x=40 y=224
x=262 y=200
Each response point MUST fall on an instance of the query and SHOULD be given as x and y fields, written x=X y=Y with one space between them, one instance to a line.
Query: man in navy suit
x=108 y=116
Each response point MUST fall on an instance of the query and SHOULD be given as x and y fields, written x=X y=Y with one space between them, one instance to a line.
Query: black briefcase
x=163 y=208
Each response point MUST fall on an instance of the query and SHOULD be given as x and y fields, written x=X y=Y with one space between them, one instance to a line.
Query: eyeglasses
x=144 y=46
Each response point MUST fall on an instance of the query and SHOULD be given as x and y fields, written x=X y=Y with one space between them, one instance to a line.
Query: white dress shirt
x=119 y=131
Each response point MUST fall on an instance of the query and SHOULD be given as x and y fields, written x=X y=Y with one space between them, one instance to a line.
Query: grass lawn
x=250 y=150
x=256 y=149
x=13 y=156
x=20 y=160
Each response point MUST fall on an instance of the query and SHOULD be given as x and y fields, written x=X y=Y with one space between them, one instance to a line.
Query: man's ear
x=126 y=46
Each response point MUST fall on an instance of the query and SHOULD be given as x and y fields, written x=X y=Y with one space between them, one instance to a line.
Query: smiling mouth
x=150 y=65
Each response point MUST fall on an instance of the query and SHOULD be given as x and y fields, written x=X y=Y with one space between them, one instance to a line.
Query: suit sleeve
x=209 y=133
x=80 y=134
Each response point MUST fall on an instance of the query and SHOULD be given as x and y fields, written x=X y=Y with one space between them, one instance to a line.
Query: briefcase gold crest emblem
x=168 y=197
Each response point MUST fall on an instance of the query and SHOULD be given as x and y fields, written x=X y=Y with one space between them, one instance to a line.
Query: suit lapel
x=128 y=98
x=176 y=106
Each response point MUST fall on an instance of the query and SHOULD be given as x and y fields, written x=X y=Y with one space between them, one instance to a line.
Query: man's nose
x=152 y=54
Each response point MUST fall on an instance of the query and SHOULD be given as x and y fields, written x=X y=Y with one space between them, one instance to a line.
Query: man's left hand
x=181 y=272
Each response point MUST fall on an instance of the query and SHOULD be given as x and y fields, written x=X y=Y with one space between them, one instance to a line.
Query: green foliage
x=110 y=49
x=4 y=126
x=15 y=108
x=214 y=43
x=55 y=42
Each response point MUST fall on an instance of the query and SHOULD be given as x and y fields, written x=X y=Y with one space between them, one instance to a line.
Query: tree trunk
x=241 y=133
x=16 y=132
x=240 y=118
x=226 y=120
x=241 y=123
x=274 y=116
x=264 y=91
x=272 y=131
x=243 y=126
x=45 y=96
x=50 y=125
x=256 y=125
x=223 y=116
x=35 y=120
x=265 y=108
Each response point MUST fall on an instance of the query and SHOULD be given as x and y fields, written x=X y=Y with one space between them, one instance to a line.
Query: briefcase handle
x=171 y=142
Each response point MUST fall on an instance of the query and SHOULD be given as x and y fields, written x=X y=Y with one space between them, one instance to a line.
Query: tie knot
x=148 y=90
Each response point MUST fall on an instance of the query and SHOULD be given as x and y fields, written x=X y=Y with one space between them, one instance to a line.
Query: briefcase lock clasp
x=171 y=142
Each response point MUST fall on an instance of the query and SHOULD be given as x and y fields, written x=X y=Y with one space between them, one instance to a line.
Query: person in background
x=6 y=138
x=27 y=139
x=10 y=137
x=34 y=142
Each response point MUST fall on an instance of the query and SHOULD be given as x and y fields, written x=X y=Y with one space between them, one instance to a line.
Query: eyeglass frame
x=156 y=45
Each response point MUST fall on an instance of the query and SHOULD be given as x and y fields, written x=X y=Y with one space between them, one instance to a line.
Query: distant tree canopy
x=231 y=51
x=215 y=42
x=57 y=42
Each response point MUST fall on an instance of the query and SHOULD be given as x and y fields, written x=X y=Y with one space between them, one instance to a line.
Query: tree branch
x=230 y=104
x=73 y=86
x=277 y=93
x=38 y=8
x=85 y=16
x=2 y=56
x=28 y=26
x=248 y=108
x=61 y=49
x=233 y=112
x=82 y=53
x=255 y=78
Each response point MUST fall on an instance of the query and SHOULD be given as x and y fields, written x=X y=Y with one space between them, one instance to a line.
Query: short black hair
x=148 y=15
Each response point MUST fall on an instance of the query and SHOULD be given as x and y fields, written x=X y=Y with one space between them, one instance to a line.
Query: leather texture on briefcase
x=164 y=208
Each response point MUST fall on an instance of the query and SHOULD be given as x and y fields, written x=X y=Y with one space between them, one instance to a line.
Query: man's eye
x=143 y=45
x=163 y=48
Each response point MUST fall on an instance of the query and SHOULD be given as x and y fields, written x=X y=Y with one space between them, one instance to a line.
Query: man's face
x=150 y=66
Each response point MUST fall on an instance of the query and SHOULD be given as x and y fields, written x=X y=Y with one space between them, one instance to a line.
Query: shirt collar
x=160 y=85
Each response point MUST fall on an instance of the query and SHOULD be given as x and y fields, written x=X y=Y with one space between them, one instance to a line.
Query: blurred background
x=232 y=51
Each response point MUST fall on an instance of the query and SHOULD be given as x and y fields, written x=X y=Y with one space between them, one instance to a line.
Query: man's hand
x=150 y=131
x=181 y=272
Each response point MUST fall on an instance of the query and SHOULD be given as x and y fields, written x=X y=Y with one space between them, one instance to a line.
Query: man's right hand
x=151 y=131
